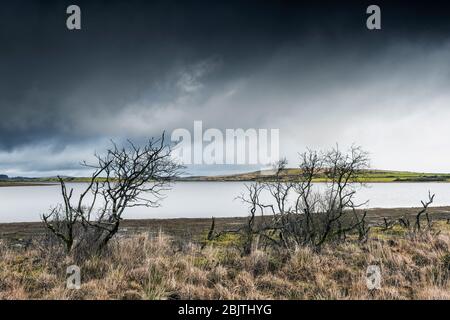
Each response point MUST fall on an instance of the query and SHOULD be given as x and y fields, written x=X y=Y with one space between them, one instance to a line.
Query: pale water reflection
x=206 y=199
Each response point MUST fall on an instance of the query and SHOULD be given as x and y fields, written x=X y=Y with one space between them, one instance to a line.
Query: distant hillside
x=264 y=175
x=364 y=176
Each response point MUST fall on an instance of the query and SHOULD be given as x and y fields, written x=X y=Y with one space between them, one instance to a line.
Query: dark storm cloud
x=53 y=79
x=139 y=67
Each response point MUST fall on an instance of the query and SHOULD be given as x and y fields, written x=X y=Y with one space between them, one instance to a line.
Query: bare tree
x=295 y=212
x=424 y=210
x=404 y=222
x=387 y=224
x=361 y=225
x=249 y=230
x=124 y=177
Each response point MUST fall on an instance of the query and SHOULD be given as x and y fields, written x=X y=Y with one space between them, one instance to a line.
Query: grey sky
x=137 y=68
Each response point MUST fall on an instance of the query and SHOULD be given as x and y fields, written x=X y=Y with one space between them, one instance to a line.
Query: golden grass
x=140 y=267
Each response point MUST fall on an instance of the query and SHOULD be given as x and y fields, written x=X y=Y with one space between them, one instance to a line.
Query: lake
x=207 y=199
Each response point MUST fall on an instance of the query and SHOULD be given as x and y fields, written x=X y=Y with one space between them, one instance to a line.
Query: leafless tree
x=424 y=210
x=250 y=229
x=304 y=214
x=124 y=177
x=295 y=212
x=387 y=224
x=404 y=222
x=361 y=225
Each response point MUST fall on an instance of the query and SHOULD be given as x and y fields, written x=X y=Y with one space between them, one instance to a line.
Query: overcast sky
x=137 y=68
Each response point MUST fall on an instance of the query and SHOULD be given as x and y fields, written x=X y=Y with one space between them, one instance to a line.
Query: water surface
x=207 y=199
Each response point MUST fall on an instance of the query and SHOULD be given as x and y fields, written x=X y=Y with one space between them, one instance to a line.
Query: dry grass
x=143 y=267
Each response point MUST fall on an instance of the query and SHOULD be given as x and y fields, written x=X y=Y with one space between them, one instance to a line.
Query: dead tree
x=62 y=226
x=342 y=175
x=249 y=230
x=361 y=225
x=387 y=224
x=306 y=215
x=424 y=210
x=404 y=221
x=125 y=177
x=295 y=212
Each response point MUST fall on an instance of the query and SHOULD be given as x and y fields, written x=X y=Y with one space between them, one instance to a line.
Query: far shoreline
x=27 y=184
x=53 y=183
x=286 y=175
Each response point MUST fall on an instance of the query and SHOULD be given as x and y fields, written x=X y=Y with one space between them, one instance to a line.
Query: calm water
x=206 y=199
